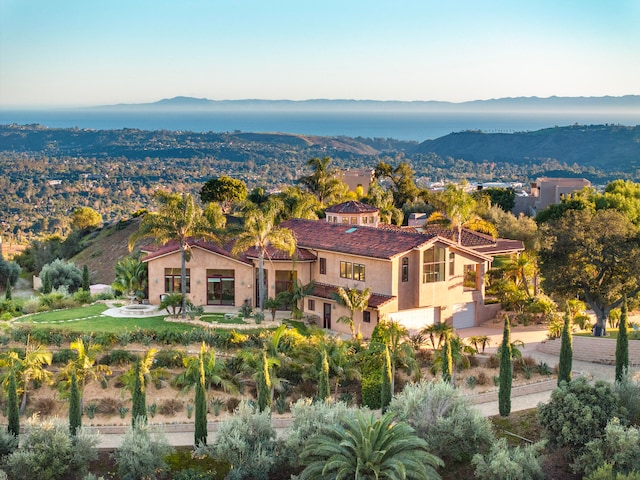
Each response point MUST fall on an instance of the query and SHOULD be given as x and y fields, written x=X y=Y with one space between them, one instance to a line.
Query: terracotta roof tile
x=301 y=254
x=355 y=240
x=173 y=246
x=351 y=207
x=470 y=238
x=323 y=290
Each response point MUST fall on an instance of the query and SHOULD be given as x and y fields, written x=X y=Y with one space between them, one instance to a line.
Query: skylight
x=351 y=230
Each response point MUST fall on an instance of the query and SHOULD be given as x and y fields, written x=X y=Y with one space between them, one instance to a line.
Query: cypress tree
x=323 y=382
x=506 y=371
x=447 y=360
x=8 y=293
x=622 y=344
x=386 y=393
x=86 y=284
x=139 y=398
x=264 y=385
x=566 y=351
x=12 y=405
x=75 y=414
x=46 y=284
x=200 y=435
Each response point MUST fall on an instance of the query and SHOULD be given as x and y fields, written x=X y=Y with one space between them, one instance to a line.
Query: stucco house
x=417 y=278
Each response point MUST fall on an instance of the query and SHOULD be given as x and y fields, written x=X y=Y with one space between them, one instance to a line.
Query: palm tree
x=260 y=231
x=457 y=208
x=364 y=448
x=29 y=368
x=481 y=340
x=520 y=269
x=324 y=182
x=131 y=277
x=297 y=203
x=355 y=301
x=180 y=219
x=215 y=372
x=401 y=351
x=439 y=330
x=84 y=366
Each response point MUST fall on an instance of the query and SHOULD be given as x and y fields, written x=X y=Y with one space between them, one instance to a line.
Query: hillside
x=607 y=147
x=104 y=248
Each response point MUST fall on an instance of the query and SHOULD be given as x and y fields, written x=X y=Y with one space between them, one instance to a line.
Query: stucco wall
x=200 y=261
x=593 y=349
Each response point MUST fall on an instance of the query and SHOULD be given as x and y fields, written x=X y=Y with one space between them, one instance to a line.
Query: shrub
x=8 y=442
x=606 y=472
x=141 y=454
x=171 y=406
x=64 y=356
x=83 y=297
x=518 y=463
x=108 y=406
x=91 y=409
x=247 y=441
x=232 y=404
x=170 y=359
x=493 y=361
x=576 y=414
x=62 y=274
x=619 y=447
x=45 y=406
x=48 y=451
x=311 y=419
x=118 y=357
x=439 y=415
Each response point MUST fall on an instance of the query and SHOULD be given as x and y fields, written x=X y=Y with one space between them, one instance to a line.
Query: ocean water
x=416 y=126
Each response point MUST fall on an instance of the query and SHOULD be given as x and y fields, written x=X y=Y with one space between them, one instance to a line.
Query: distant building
x=358 y=178
x=546 y=191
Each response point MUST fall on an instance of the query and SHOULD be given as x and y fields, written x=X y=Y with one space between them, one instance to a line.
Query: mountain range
x=627 y=103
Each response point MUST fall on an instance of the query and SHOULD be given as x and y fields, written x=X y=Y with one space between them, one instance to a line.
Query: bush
x=83 y=297
x=628 y=394
x=170 y=359
x=49 y=452
x=606 y=472
x=576 y=414
x=439 y=415
x=108 y=406
x=619 y=447
x=171 y=406
x=493 y=361
x=8 y=442
x=118 y=357
x=141 y=454
x=63 y=274
x=232 y=404
x=64 y=356
x=247 y=441
x=518 y=463
x=45 y=406
x=311 y=419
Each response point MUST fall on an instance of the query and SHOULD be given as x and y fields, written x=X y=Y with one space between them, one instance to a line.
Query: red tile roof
x=351 y=207
x=470 y=238
x=354 y=240
x=301 y=254
x=323 y=290
x=173 y=246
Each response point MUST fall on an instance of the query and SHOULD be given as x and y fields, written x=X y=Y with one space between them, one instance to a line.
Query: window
x=452 y=264
x=311 y=305
x=173 y=280
x=371 y=219
x=470 y=276
x=366 y=317
x=364 y=220
x=345 y=219
x=346 y=270
x=323 y=266
x=405 y=269
x=355 y=271
x=329 y=218
x=335 y=219
x=354 y=220
x=358 y=272
x=433 y=263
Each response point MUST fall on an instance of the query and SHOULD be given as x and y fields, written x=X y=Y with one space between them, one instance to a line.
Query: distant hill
x=537 y=104
x=607 y=147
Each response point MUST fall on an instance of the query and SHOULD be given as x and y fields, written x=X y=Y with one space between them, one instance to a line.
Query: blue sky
x=95 y=52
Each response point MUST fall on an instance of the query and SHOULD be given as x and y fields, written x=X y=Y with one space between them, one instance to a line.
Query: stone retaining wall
x=593 y=349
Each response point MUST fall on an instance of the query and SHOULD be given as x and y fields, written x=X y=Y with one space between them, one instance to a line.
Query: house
x=546 y=191
x=416 y=278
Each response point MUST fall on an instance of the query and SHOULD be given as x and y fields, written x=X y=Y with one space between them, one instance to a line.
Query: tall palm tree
x=179 y=218
x=520 y=269
x=457 y=209
x=29 y=368
x=297 y=203
x=260 y=231
x=355 y=301
x=365 y=448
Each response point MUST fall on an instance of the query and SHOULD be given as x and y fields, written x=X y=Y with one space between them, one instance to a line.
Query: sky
x=102 y=52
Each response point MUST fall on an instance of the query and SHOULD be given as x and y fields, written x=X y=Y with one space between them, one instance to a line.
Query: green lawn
x=71 y=314
x=221 y=318
x=612 y=333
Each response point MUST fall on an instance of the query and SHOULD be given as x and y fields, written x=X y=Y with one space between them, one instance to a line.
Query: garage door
x=416 y=319
x=464 y=315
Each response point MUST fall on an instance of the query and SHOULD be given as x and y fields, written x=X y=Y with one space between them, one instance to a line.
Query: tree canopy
x=224 y=190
